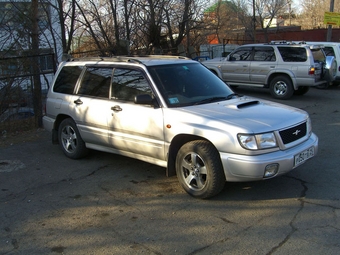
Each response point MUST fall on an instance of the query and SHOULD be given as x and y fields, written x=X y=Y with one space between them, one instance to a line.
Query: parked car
x=286 y=68
x=331 y=49
x=175 y=113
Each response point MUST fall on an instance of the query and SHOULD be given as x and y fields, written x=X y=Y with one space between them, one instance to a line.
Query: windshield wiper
x=216 y=99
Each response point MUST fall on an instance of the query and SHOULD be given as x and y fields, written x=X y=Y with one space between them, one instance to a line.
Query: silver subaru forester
x=175 y=113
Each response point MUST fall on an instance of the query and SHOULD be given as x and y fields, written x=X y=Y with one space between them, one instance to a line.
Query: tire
x=301 y=90
x=281 y=87
x=323 y=86
x=199 y=169
x=70 y=140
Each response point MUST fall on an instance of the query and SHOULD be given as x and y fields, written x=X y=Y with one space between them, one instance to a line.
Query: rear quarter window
x=293 y=54
x=67 y=79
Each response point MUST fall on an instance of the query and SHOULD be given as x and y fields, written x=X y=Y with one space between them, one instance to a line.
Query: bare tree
x=267 y=11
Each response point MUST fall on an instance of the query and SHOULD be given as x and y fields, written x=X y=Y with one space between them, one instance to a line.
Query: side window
x=96 y=82
x=128 y=83
x=67 y=79
x=329 y=51
x=242 y=54
x=264 y=54
x=293 y=54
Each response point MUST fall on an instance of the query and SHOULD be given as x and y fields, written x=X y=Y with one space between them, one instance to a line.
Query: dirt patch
x=17 y=137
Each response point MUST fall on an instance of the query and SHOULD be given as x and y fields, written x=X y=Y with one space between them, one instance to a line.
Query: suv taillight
x=312 y=71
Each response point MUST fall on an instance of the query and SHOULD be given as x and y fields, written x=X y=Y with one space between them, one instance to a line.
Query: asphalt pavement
x=109 y=204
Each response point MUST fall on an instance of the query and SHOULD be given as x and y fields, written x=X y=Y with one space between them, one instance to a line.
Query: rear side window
x=67 y=79
x=96 y=82
x=293 y=54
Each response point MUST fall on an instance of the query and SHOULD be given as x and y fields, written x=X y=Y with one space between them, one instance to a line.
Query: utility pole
x=37 y=101
x=329 y=31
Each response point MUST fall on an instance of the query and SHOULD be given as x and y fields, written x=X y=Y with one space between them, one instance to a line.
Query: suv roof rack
x=127 y=58
x=287 y=42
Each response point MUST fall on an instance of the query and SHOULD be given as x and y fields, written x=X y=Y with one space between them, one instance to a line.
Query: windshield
x=188 y=84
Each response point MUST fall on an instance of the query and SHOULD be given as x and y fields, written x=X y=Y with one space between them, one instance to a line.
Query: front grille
x=294 y=133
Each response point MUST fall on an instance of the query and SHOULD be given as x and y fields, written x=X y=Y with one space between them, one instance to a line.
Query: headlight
x=257 y=142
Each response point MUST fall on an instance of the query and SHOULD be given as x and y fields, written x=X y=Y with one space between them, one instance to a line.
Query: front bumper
x=242 y=168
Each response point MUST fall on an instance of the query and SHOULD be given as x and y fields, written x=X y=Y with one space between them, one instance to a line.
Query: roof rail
x=126 y=58
x=286 y=42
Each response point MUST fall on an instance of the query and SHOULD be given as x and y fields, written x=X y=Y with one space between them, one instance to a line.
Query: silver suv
x=285 y=68
x=175 y=113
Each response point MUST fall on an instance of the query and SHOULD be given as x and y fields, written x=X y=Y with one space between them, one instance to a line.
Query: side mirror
x=144 y=99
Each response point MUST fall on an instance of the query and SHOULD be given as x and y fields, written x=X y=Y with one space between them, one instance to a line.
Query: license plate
x=303 y=156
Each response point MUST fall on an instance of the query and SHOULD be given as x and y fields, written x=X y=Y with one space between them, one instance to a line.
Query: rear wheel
x=70 y=140
x=281 y=87
x=199 y=169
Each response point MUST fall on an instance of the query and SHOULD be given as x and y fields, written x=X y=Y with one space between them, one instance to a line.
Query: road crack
x=291 y=223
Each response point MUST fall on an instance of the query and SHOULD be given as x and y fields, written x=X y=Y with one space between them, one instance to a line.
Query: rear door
x=90 y=107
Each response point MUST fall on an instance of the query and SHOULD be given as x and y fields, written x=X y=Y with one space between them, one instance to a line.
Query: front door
x=134 y=128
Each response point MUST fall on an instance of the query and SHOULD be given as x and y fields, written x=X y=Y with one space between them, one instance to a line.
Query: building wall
x=299 y=35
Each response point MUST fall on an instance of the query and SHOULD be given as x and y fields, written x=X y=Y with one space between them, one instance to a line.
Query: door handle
x=116 y=108
x=78 y=101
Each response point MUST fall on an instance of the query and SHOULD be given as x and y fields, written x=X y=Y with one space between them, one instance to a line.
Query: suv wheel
x=70 y=140
x=199 y=169
x=281 y=87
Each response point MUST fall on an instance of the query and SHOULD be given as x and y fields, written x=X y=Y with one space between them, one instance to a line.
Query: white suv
x=175 y=113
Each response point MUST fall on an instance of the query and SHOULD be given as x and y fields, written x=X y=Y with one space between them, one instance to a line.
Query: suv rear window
x=67 y=79
x=293 y=54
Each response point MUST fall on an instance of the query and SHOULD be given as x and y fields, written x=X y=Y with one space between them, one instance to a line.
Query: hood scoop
x=248 y=104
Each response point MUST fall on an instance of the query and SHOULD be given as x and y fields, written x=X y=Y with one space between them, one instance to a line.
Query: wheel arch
x=176 y=143
x=55 y=129
x=276 y=74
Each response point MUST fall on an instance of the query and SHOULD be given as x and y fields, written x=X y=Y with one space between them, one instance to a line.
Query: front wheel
x=281 y=87
x=199 y=169
x=70 y=140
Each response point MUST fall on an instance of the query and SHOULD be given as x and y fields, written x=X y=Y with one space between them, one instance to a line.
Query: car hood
x=249 y=114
